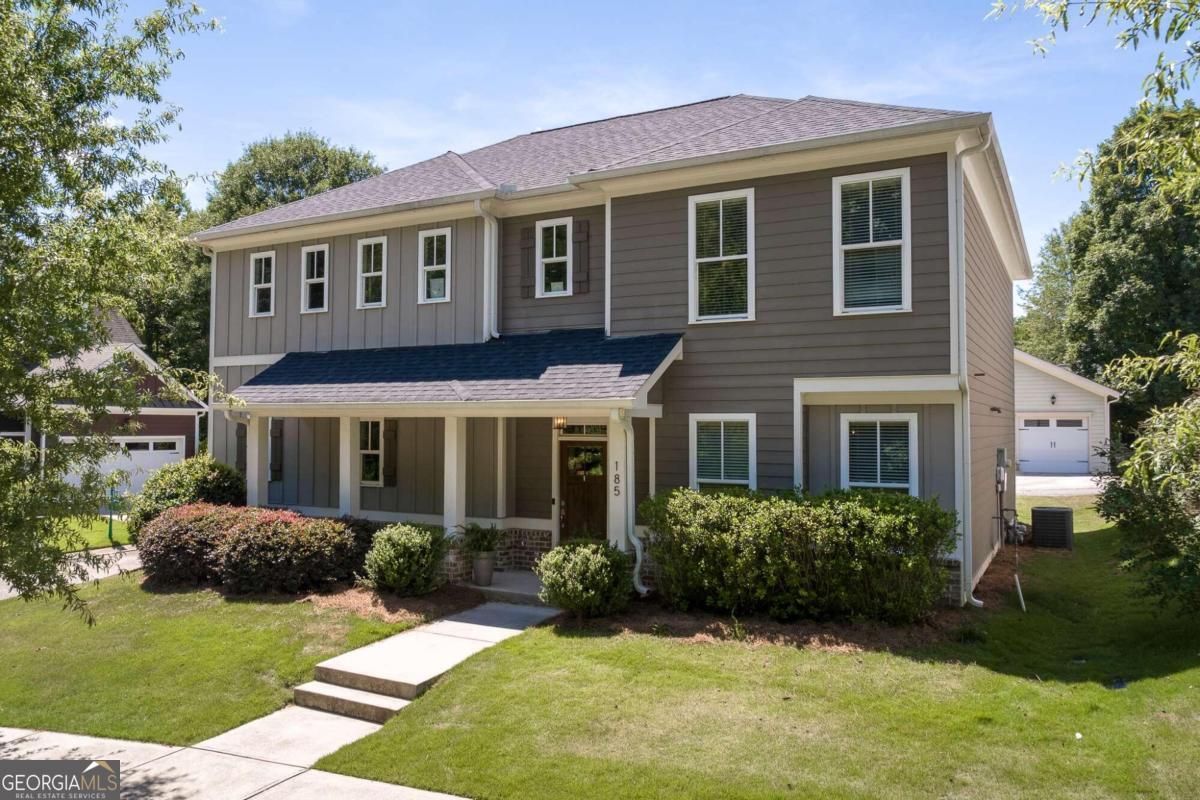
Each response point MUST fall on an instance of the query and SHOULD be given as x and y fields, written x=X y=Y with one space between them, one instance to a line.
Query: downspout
x=210 y=419
x=631 y=507
x=961 y=267
x=491 y=270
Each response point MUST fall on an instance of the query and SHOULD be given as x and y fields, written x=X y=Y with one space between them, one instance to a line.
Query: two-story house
x=540 y=333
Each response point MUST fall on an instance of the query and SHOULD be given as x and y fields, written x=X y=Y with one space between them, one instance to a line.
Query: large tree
x=79 y=89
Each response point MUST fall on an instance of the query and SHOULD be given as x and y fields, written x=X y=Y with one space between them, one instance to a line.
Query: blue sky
x=409 y=80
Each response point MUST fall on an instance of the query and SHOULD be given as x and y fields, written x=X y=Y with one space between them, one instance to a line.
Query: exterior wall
x=989 y=375
x=749 y=366
x=223 y=446
x=155 y=425
x=935 y=451
x=401 y=322
x=523 y=314
x=310 y=464
x=419 y=454
x=1033 y=390
x=530 y=457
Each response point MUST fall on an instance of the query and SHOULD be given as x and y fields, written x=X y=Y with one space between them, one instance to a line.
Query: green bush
x=363 y=531
x=477 y=538
x=178 y=547
x=201 y=479
x=280 y=551
x=589 y=579
x=406 y=559
x=876 y=555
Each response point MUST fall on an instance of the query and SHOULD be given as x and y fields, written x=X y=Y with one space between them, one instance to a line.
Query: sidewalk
x=118 y=559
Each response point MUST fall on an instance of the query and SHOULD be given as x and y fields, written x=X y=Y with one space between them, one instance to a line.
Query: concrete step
x=403 y=666
x=348 y=702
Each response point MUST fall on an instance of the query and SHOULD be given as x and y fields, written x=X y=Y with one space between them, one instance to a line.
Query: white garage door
x=141 y=455
x=1054 y=445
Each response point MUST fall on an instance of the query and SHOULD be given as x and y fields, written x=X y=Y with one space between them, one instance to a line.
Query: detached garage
x=1062 y=419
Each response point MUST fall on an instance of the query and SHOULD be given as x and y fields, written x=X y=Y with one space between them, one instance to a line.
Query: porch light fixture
x=560 y=423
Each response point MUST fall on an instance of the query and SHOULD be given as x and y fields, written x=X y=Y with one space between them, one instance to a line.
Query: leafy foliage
x=201 y=479
x=588 y=579
x=877 y=555
x=478 y=538
x=265 y=550
x=406 y=559
x=179 y=546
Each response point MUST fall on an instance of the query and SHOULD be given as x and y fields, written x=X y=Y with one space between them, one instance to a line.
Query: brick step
x=348 y=702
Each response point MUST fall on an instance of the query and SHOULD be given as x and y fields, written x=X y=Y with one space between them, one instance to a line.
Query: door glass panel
x=1036 y=423
x=585 y=462
x=1069 y=423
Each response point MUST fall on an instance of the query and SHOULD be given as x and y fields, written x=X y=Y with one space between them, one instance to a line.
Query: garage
x=139 y=456
x=1054 y=445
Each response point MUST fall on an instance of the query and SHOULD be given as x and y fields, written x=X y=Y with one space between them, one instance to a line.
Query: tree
x=1041 y=331
x=74 y=184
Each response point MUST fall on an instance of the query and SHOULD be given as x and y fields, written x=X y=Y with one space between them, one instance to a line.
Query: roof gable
x=1063 y=374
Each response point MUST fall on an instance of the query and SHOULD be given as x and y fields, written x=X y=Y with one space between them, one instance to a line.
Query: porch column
x=501 y=467
x=257 y=448
x=618 y=488
x=454 y=475
x=348 y=479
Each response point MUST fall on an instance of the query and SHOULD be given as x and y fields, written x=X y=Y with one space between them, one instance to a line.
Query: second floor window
x=434 y=257
x=554 y=257
x=314 y=283
x=871 y=246
x=370 y=452
x=372 y=272
x=262 y=284
x=721 y=256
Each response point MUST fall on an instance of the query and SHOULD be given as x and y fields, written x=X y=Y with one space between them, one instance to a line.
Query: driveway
x=1056 y=485
x=116 y=560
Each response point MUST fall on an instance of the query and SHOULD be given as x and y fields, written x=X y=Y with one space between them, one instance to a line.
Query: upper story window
x=879 y=451
x=370 y=452
x=723 y=450
x=553 y=257
x=433 y=255
x=372 y=272
x=314 y=282
x=872 y=250
x=262 y=284
x=721 y=256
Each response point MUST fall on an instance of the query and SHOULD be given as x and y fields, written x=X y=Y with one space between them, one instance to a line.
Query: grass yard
x=96 y=533
x=1016 y=705
x=165 y=667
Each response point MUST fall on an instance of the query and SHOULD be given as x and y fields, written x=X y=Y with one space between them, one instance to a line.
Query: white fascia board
x=473 y=408
x=1063 y=374
x=877 y=383
x=259 y=360
x=676 y=354
x=988 y=178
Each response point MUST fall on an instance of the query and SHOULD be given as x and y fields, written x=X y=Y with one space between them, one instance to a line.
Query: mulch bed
x=449 y=599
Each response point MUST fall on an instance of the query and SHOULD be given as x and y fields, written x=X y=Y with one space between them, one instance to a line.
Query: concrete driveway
x=123 y=558
x=1056 y=485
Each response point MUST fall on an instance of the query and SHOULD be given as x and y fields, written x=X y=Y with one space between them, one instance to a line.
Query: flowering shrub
x=201 y=479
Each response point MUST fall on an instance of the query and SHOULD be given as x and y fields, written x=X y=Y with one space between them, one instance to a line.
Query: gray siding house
x=541 y=333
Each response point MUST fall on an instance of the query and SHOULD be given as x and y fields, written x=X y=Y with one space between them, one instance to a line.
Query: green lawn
x=564 y=712
x=96 y=533
x=166 y=667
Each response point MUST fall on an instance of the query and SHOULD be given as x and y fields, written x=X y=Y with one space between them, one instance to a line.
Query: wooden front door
x=583 y=511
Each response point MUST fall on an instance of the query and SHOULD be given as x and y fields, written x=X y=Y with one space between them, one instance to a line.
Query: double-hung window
x=554 y=258
x=879 y=451
x=314 y=282
x=721 y=256
x=433 y=255
x=372 y=272
x=723 y=448
x=370 y=452
x=872 y=246
x=262 y=284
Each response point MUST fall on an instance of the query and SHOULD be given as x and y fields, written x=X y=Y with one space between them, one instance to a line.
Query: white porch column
x=257 y=449
x=454 y=476
x=618 y=482
x=348 y=480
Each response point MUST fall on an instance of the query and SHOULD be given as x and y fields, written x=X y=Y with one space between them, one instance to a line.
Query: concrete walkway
x=117 y=559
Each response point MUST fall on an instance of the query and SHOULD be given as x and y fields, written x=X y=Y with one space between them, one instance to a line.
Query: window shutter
x=391 y=455
x=240 y=449
x=528 y=271
x=276 y=450
x=581 y=257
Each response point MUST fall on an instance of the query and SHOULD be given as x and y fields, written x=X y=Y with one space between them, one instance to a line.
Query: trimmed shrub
x=363 y=531
x=876 y=555
x=589 y=579
x=178 y=547
x=200 y=479
x=281 y=551
x=406 y=559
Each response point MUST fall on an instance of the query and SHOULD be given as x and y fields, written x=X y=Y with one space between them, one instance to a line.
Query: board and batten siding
x=402 y=322
x=580 y=310
x=749 y=366
x=990 y=376
x=1033 y=390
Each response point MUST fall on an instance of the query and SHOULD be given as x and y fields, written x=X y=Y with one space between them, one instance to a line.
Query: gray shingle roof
x=556 y=365
x=119 y=329
x=551 y=157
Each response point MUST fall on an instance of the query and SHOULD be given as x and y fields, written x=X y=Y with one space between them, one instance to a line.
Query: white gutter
x=631 y=506
x=491 y=271
x=212 y=343
x=961 y=268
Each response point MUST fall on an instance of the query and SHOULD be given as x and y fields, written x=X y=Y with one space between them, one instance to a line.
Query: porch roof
x=559 y=365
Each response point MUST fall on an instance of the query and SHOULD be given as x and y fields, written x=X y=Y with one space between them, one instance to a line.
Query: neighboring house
x=169 y=428
x=540 y=333
x=1063 y=425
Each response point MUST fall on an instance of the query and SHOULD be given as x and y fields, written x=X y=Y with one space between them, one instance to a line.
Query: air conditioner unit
x=1053 y=527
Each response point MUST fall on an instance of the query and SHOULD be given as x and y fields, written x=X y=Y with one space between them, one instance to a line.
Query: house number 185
x=616 y=483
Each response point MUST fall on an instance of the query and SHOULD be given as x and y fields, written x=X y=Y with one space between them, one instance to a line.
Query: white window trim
x=361 y=277
x=752 y=483
x=422 y=299
x=305 y=280
x=694 y=317
x=839 y=299
x=255 y=286
x=569 y=258
x=913 y=459
x=361 y=453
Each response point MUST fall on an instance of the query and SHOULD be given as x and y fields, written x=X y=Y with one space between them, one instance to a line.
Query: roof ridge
x=893 y=106
x=465 y=167
x=624 y=116
x=700 y=134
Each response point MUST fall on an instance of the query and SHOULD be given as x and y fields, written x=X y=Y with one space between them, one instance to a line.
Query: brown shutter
x=276 y=450
x=240 y=448
x=391 y=454
x=528 y=272
x=579 y=238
